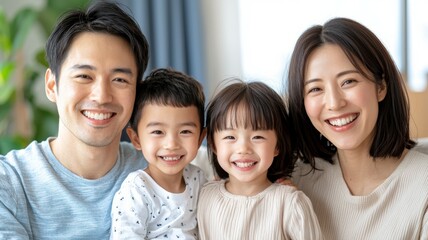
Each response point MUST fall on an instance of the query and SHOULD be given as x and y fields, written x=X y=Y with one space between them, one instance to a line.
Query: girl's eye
x=229 y=137
x=258 y=137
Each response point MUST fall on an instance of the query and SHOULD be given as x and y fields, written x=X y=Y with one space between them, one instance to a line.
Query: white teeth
x=342 y=121
x=171 y=158
x=97 y=116
x=244 y=164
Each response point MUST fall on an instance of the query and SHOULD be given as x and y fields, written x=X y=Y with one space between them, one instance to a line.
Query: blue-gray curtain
x=174 y=32
x=173 y=29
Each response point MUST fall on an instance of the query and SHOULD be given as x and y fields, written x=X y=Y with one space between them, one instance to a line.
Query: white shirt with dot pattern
x=143 y=209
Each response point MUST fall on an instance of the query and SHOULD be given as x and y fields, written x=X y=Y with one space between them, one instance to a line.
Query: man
x=62 y=188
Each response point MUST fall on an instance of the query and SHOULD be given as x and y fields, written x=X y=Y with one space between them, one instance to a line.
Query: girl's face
x=341 y=103
x=245 y=154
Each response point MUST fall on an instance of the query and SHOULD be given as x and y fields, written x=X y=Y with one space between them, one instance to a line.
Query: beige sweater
x=396 y=209
x=279 y=212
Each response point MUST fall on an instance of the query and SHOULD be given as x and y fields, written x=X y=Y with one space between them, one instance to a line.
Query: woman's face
x=341 y=103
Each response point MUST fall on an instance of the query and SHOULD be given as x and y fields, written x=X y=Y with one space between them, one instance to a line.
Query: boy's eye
x=186 y=132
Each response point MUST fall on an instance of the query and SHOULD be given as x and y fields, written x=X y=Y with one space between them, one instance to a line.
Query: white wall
x=222 y=41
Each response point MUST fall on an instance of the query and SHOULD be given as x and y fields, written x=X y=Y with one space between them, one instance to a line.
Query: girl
x=250 y=148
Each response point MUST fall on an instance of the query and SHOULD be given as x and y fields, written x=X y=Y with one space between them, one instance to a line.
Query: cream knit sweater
x=396 y=209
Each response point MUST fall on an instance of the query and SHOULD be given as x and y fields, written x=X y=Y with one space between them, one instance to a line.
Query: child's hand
x=287 y=182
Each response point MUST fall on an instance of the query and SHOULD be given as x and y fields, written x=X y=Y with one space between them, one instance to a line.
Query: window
x=270 y=28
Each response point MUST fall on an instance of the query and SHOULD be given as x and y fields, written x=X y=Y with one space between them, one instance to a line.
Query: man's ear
x=381 y=91
x=133 y=136
x=202 y=136
x=50 y=85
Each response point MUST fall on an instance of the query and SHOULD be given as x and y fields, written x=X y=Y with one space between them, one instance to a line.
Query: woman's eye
x=316 y=89
x=348 y=81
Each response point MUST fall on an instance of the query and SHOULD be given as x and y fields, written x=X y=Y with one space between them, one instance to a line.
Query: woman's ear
x=382 y=89
x=50 y=85
x=276 y=152
x=133 y=136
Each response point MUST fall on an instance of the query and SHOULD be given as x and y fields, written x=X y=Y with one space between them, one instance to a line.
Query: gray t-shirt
x=41 y=199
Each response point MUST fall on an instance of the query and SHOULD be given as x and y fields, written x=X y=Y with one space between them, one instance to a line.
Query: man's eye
x=84 y=76
x=121 y=80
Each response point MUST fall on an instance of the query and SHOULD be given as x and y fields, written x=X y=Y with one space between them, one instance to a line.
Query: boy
x=167 y=126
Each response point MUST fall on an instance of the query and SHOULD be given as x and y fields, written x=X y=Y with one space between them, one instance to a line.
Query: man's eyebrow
x=83 y=66
x=127 y=71
x=90 y=67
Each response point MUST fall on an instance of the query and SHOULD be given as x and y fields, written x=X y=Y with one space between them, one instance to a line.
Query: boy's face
x=168 y=136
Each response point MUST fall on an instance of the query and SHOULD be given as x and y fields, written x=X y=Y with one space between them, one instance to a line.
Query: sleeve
x=302 y=222
x=129 y=213
x=11 y=226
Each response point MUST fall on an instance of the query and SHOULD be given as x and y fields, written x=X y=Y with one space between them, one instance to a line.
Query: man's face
x=95 y=89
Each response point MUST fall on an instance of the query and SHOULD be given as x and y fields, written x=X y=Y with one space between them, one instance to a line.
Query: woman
x=350 y=109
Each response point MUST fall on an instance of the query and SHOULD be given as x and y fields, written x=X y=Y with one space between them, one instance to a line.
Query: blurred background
x=211 y=40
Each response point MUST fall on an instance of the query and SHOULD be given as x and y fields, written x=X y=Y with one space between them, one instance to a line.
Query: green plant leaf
x=8 y=143
x=41 y=58
x=6 y=69
x=21 y=25
x=45 y=123
x=5 y=39
x=48 y=16
x=5 y=109
x=6 y=94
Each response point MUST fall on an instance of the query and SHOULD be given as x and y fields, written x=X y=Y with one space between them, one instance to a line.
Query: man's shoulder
x=128 y=152
x=131 y=158
x=25 y=156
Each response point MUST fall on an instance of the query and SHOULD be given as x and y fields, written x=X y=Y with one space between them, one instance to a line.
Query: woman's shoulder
x=422 y=145
x=416 y=161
